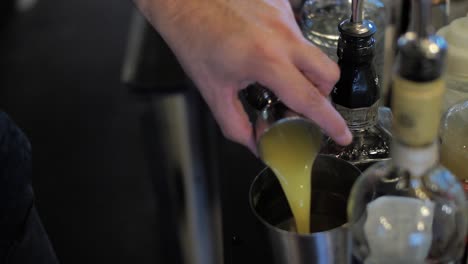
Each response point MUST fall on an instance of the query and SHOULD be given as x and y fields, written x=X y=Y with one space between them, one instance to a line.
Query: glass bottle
x=356 y=95
x=411 y=209
x=320 y=18
x=454 y=142
x=457 y=72
x=454 y=146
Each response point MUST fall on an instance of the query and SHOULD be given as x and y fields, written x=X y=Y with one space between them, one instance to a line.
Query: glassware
x=356 y=95
x=288 y=144
x=320 y=20
x=456 y=9
x=329 y=241
x=411 y=209
x=454 y=142
x=457 y=72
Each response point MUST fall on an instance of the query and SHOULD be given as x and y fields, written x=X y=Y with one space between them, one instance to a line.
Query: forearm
x=158 y=11
x=198 y=23
x=169 y=17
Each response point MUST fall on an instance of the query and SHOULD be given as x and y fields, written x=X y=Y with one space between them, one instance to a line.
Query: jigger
x=270 y=111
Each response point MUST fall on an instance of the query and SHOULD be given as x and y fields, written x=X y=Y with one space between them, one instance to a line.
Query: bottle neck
x=420 y=20
x=415 y=160
x=417 y=110
x=358 y=86
x=356 y=50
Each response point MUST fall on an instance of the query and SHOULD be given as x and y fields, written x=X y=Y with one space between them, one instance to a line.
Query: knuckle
x=263 y=58
x=331 y=77
x=314 y=105
x=264 y=50
x=315 y=100
x=286 y=31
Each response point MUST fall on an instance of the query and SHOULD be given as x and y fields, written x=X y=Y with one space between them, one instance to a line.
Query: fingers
x=290 y=85
x=233 y=120
x=320 y=70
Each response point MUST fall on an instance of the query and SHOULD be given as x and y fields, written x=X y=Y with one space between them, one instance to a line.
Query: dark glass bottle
x=356 y=95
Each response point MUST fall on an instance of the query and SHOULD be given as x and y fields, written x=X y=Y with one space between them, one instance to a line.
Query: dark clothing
x=23 y=239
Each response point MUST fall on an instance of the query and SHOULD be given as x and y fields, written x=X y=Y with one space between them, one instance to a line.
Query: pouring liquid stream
x=289 y=148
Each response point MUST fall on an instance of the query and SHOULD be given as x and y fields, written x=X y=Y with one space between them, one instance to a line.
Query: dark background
x=60 y=80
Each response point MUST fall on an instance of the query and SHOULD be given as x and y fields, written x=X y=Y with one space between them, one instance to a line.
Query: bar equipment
x=457 y=72
x=411 y=209
x=453 y=132
x=454 y=141
x=187 y=167
x=320 y=19
x=288 y=144
x=329 y=241
x=182 y=162
x=269 y=110
x=356 y=96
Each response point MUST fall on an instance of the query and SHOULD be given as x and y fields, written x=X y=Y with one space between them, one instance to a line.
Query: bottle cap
x=357 y=26
x=457 y=39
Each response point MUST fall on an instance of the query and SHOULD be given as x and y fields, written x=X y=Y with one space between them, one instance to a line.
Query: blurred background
x=86 y=80
x=60 y=81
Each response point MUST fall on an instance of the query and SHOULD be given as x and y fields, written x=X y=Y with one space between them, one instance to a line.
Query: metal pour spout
x=356 y=25
x=421 y=53
x=421 y=18
x=357 y=7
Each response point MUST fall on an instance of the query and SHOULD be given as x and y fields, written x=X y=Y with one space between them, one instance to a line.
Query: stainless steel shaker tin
x=329 y=242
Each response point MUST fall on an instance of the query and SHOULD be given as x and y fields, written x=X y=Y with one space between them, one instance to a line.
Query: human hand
x=225 y=45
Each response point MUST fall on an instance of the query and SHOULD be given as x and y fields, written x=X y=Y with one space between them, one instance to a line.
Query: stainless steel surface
x=366 y=27
x=271 y=117
x=332 y=179
x=421 y=21
x=189 y=175
x=421 y=52
x=392 y=32
x=357 y=25
x=357 y=11
x=198 y=205
x=270 y=111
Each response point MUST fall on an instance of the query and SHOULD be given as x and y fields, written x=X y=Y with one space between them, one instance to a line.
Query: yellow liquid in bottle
x=290 y=149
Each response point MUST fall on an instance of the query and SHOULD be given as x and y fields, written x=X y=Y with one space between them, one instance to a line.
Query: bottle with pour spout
x=411 y=209
x=356 y=95
x=320 y=17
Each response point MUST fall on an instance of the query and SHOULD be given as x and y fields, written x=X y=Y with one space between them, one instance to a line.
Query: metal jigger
x=270 y=110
